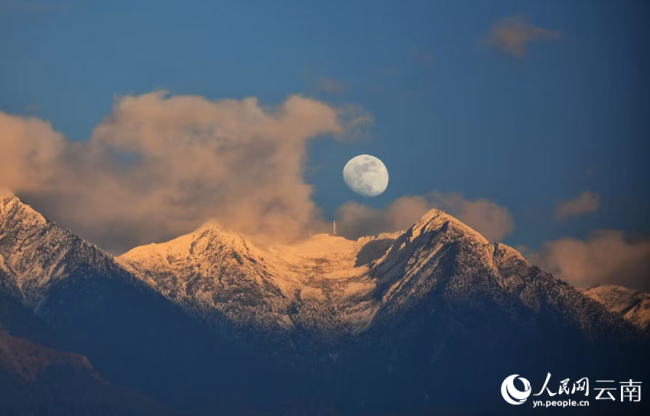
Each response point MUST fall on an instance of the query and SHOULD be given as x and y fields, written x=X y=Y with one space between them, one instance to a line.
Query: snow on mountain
x=441 y=261
x=633 y=305
x=5 y=193
x=36 y=253
x=381 y=320
x=326 y=284
x=59 y=293
x=309 y=284
x=339 y=287
x=210 y=269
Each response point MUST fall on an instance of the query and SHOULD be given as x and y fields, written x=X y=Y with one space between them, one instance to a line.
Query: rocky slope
x=633 y=305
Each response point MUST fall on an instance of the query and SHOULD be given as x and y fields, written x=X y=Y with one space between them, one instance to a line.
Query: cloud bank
x=584 y=203
x=491 y=220
x=513 y=34
x=606 y=256
x=160 y=165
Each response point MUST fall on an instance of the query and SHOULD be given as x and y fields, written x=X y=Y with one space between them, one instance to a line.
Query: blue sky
x=451 y=112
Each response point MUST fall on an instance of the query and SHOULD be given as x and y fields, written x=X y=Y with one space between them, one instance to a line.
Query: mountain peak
x=436 y=219
x=633 y=305
x=5 y=193
x=17 y=213
x=211 y=224
x=35 y=252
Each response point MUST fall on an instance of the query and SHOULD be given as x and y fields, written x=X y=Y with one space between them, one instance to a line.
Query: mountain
x=278 y=288
x=633 y=305
x=436 y=298
x=40 y=264
x=61 y=292
x=36 y=255
x=35 y=379
x=321 y=285
x=395 y=323
x=28 y=360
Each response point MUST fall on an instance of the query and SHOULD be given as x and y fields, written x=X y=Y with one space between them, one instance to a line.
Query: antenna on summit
x=334 y=228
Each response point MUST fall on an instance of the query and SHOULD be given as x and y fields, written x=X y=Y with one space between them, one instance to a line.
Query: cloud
x=355 y=121
x=486 y=217
x=605 y=257
x=513 y=34
x=160 y=165
x=330 y=85
x=491 y=220
x=357 y=220
x=584 y=203
x=29 y=148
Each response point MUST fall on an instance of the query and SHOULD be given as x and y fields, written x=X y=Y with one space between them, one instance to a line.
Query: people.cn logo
x=511 y=394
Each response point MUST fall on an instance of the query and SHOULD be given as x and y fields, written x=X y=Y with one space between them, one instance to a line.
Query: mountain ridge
x=210 y=270
x=632 y=305
x=375 y=320
x=36 y=252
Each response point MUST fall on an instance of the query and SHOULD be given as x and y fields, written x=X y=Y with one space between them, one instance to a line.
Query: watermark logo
x=513 y=395
x=630 y=391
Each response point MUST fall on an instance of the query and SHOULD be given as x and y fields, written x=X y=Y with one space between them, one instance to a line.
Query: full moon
x=366 y=175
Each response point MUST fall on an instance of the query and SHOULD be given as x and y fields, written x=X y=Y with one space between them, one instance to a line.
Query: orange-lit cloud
x=582 y=204
x=513 y=34
x=160 y=165
x=491 y=220
x=29 y=151
x=606 y=256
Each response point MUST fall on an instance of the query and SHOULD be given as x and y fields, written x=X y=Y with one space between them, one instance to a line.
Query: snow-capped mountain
x=61 y=291
x=322 y=283
x=383 y=323
x=36 y=254
x=210 y=270
x=633 y=305
x=349 y=289
x=51 y=303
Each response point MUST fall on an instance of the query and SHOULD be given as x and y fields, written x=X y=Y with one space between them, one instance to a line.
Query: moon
x=366 y=175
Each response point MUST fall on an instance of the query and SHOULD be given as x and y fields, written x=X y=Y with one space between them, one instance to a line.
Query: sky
x=525 y=119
